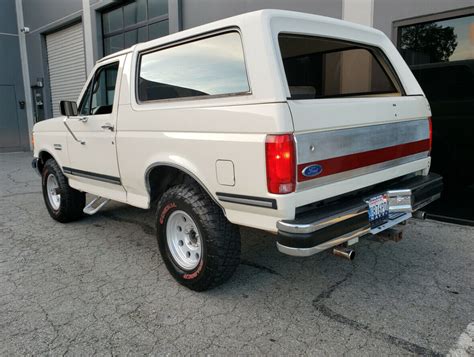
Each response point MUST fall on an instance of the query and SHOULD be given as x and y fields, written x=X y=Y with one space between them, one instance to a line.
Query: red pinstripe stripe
x=339 y=164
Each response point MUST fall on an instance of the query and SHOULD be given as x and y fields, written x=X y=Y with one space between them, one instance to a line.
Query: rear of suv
x=354 y=123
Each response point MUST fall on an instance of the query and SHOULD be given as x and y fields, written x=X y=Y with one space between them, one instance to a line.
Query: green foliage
x=433 y=40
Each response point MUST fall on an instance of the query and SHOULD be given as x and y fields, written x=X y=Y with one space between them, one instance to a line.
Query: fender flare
x=186 y=171
x=41 y=151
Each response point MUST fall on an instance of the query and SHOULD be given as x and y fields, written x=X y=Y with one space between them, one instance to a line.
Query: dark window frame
x=181 y=42
x=122 y=31
x=90 y=85
x=376 y=52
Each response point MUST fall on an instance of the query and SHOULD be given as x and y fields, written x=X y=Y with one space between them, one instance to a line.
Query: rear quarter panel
x=194 y=138
x=193 y=134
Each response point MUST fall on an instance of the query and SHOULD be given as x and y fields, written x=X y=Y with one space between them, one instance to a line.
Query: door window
x=99 y=97
x=85 y=104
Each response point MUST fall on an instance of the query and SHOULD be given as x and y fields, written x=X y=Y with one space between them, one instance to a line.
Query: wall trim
x=361 y=12
x=57 y=24
x=25 y=71
x=8 y=34
x=175 y=16
x=88 y=40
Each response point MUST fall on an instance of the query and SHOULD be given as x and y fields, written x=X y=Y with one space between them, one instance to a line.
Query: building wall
x=10 y=73
x=199 y=12
x=386 y=12
x=46 y=16
x=43 y=17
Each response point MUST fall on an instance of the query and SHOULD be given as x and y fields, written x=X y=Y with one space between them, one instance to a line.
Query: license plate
x=378 y=210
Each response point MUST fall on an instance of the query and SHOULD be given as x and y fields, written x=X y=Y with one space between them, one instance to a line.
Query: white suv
x=305 y=126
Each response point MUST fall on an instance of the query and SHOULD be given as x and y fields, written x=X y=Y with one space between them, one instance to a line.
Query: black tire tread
x=222 y=237
x=72 y=200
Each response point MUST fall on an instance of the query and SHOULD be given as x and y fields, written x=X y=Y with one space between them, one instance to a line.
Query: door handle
x=108 y=126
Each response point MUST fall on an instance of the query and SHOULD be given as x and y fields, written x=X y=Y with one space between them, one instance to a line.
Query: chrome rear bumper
x=343 y=220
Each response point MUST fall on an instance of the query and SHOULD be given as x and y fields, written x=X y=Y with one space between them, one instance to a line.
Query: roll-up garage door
x=66 y=64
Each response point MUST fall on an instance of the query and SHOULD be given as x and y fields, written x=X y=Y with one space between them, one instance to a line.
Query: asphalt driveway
x=99 y=286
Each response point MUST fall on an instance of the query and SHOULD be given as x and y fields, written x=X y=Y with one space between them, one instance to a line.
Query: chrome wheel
x=184 y=240
x=54 y=196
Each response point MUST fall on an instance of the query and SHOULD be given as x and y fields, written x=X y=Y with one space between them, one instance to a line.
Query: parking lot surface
x=99 y=286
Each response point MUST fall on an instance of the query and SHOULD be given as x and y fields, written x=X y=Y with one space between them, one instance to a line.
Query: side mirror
x=68 y=108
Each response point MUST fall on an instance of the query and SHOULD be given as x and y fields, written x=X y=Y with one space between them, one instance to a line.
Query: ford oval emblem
x=312 y=170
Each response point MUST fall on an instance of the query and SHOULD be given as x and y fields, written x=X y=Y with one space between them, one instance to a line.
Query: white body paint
x=194 y=135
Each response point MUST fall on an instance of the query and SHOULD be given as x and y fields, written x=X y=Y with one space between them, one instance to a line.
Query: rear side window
x=207 y=67
x=317 y=67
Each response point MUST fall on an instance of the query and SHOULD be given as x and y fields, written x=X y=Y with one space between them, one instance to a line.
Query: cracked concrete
x=98 y=286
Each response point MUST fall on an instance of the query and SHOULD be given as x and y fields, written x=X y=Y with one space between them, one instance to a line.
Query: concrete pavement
x=99 y=286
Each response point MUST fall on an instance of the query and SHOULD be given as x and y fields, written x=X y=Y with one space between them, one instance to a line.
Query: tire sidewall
x=48 y=170
x=165 y=210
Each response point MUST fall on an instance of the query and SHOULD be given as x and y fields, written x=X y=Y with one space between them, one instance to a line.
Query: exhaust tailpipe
x=344 y=252
x=419 y=215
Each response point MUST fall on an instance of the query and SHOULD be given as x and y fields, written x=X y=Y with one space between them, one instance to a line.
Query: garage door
x=66 y=64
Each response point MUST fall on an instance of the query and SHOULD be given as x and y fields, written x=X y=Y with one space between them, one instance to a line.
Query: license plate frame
x=378 y=212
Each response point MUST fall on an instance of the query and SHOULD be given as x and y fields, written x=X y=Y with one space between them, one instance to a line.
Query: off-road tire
x=72 y=201
x=219 y=238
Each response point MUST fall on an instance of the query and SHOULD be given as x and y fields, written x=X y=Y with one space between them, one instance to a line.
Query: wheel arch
x=159 y=176
x=43 y=156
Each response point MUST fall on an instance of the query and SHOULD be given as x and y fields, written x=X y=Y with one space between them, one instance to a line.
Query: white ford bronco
x=308 y=127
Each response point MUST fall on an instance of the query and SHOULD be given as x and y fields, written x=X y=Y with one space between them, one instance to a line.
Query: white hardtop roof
x=254 y=18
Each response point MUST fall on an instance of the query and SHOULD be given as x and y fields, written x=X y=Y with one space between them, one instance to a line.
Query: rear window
x=207 y=67
x=317 y=67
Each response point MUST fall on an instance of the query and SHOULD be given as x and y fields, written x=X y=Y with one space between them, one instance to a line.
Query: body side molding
x=92 y=175
x=247 y=200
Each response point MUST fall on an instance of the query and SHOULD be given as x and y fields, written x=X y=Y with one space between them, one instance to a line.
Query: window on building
x=441 y=55
x=437 y=41
x=134 y=22
x=210 y=66
x=318 y=67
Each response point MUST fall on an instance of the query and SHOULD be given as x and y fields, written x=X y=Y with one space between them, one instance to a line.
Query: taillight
x=280 y=157
x=430 y=121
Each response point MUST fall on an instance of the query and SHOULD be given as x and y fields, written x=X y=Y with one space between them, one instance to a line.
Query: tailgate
x=342 y=139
